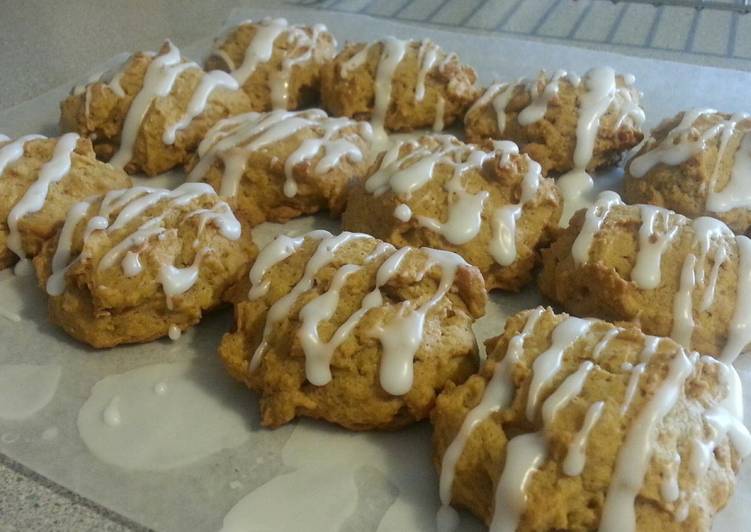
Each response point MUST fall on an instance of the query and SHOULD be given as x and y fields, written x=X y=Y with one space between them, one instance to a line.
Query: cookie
x=562 y=121
x=581 y=425
x=697 y=163
x=150 y=113
x=280 y=165
x=277 y=65
x=42 y=178
x=399 y=85
x=486 y=203
x=687 y=279
x=348 y=329
x=137 y=264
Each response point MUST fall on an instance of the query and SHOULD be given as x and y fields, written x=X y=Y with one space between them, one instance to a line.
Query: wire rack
x=699 y=30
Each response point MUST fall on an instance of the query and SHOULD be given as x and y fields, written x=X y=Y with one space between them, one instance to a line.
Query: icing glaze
x=573 y=463
x=232 y=139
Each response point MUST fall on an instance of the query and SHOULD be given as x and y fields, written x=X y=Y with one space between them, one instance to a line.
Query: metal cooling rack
x=702 y=31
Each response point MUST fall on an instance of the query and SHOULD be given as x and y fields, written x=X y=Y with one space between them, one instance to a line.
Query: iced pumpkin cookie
x=489 y=204
x=138 y=264
x=697 y=163
x=280 y=165
x=562 y=121
x=580 y=425
x=278 y=65
x=348 y=329
x=399 y=85
x=41 y=179
x=150 y=114
x=687 y=279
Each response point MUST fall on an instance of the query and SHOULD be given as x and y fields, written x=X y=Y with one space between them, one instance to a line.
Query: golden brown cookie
x=580 y=425
x=277 y=65
x=41 y=179
x=562 y=121
x=697 y=163
x=690 y=280
x=280 y=165
x=489 y=204
x=138 y=264
x=399 y=85
x=348 y=329
x=150 y=114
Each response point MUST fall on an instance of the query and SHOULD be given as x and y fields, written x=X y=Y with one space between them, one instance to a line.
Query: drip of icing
x=174 y=332
x=576 y=456
x=540 y=99
x=35 y=196
x=402 y=336
x=569 y=388
x=497 y=396
x=633 y=382
x=548 y=363
x=260 y=48
x=176 y=281
x=464 y=218
x=651 y=343
x=393 y=53
x=669 y=488
x=426 y=58
x=593 y=220
x=739 y=331
x=737 y=192
x=683 y=318
x=13 y=151
x=403 y=213
x=636 y=452
x=498 y=95
x=279 y=79
x=524 y=454
x=61 y=260
x=652 y=244
x=576 y=187
x=279 y=249
x=209 y=82
x=440 y=113
x=503 y=222
x=605 y=341
x=158 y=81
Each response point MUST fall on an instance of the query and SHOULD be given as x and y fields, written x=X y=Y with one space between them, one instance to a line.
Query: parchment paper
x=395 y=481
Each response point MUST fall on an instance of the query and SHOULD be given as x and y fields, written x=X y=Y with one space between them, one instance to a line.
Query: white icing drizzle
x=400 y=338
x=503 y=221
x=541 y=98
x=234 y=138
x=669 y=489
x=593 y=220
x=497 y=396
x=260 y=48
x=524 y=454
x=739 y=331
x=157 y=82
x=11 y=152
x=426 y=58
x=303 y=46
x=35 y=196
x=392 y=54
x=498 y=95
x=548 y=363
x=651 y=343
x=576 y=456
x=633 y=382
x=440 y=113
x=403 y=213
x=174 y=335
x=273 y=253
x=132 y=203
x=605 y=341
x=619 y=511
x=210 y=81
x=737 y=192
x=653 y=241
x=569 y=388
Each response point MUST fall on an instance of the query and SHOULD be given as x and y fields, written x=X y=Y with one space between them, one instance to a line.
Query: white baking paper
x=305 y=466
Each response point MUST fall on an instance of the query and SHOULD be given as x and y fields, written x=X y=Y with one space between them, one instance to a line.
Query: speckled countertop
x=46 y=43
